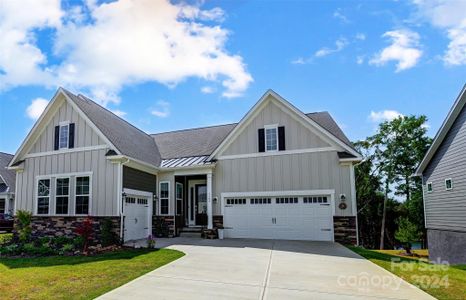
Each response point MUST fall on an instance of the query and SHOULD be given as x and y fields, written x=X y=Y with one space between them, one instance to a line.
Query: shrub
x=67 y=248
x=85 y=231
x=108 y=236
x=11 y=249
x=23 y=226
x=5 y=238
x=407 y=233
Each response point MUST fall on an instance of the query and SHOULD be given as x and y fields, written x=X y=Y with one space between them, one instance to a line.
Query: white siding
x=297 y=136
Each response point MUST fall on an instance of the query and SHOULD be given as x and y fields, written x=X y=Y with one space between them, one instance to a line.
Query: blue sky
x=166 y=66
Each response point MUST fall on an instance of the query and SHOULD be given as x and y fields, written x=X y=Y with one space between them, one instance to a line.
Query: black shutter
x=281 y=138
x=57 y=137
x=71 y=136
x=261 y=137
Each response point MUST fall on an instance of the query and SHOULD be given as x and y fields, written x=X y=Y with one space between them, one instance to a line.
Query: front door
x=197 y=202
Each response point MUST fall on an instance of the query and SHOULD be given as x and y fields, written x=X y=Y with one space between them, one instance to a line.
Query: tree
x=407 y=233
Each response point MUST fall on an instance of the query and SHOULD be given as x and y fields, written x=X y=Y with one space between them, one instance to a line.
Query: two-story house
x=443 y=172
x=277 y=174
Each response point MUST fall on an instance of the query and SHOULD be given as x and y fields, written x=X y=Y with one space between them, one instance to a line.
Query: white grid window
x=43 y=196
x=82 y=195
x=448 y=184
x=271 y=138
x=164 y=197
x=179 y=198
x=62 y=196
x=429 y=187
x=64 y=135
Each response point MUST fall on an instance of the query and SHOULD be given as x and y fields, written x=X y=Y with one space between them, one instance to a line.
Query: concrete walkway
x=265 y=269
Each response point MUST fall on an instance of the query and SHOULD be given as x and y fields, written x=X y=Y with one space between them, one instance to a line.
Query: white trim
x=350 y=160
x=278 y=194
x=424 y=198
x=192 y=184
x=443 y=131
x=135 y=163
x=273 y=153
x=71 y=213
x=160 y=198
x=89 y=209
x=451 y=184
x=267 y=127
x=150 y=203
x=298 y=115
x=353 y=192
x=194 y=171
x=66 y=150
x=431 y=187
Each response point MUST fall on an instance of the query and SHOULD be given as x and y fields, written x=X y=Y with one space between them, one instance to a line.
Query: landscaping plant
x=85 y=232
x=108 y=236
x=23 y=225
x=407 y=234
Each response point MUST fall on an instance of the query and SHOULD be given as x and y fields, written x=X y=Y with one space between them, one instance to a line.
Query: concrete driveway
x=265 y=269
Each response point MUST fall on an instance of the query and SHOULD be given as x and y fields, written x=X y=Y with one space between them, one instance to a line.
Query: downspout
x=120 y=194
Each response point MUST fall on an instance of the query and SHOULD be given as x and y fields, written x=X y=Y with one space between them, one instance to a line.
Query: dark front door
x=201 y=204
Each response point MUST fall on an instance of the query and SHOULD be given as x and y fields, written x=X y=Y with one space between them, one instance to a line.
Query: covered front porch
x=185 y=199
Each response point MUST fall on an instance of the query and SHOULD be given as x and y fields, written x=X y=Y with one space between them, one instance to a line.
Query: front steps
x=192 y=232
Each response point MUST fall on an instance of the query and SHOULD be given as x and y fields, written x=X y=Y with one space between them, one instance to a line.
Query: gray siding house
x=7 y=185
x=276 y=174
x=443 y=172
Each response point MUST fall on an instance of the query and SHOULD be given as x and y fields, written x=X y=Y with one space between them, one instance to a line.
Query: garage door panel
x=136 y=212
x=293 y=218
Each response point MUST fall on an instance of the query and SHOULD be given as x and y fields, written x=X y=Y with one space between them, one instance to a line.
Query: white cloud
x=451 y=17
x=360 y=59
x=404 y=48
x=35 y=109
x=107 y=45
x=299 y=61
x=384 y=115
x=207 y=90
x=340 y=44
x=118 y=112
x=360 y=36
x=162 y=110
x=338 y=15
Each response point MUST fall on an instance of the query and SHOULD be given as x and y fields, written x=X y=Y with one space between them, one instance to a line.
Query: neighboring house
x=443 y=172
x=7 y=185
x=277 y=174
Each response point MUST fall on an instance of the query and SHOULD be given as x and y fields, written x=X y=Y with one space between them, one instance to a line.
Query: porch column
x=209 y=202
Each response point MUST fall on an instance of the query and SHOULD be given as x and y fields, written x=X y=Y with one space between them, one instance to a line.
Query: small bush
x=5 y=238
x=85 y=231
x=108 y=236
x=23 y=226
x=67 y=248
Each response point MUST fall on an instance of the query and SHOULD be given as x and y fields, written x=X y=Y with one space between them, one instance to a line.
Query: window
x=130 y=200
x=43 y=196
x=429 y=187
x=64 y=136
x=286 y=200
x=164 y=197
x=62 y=196
x=271 y=138
x=236 y=201
x=448 y=184
x=315 y=199
x=260 y=200
x=82 y=195
x=179 y=198
x=2 y=206
x=142 y=201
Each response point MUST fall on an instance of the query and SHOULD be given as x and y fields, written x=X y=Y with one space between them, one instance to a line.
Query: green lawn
x=442 y=282
x=77 y=277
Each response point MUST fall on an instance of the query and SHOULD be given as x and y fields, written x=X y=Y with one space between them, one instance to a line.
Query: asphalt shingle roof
x=137 y=144
x=9 y=176
x=128 y=139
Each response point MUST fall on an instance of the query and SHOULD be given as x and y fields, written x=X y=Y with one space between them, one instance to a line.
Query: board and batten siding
x=447 y=209
x=85 y=136
x=104 y=179
x=304 y=171
x=297 y=136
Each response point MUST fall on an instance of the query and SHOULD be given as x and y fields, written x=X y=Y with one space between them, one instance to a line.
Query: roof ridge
x=194 y=128
x=7 y=153
x=108 y=110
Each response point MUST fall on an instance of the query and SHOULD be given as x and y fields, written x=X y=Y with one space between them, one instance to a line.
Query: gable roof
x=128 y=139
x=443 y=131
x=8 y=176
x=322 y=122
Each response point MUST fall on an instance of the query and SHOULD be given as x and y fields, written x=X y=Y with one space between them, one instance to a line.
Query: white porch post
x=209 y=202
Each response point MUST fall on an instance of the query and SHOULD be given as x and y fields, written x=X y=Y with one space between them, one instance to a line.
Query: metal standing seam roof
x=186 y=162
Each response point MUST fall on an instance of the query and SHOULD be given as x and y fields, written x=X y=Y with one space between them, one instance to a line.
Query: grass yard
x=77 y=277
x=442 y=282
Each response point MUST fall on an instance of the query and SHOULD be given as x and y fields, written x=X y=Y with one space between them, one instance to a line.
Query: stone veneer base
x=66 y=226
x=345 y=231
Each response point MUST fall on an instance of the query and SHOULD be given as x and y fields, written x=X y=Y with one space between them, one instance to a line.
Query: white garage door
x=283 y=217
x=137 y=212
